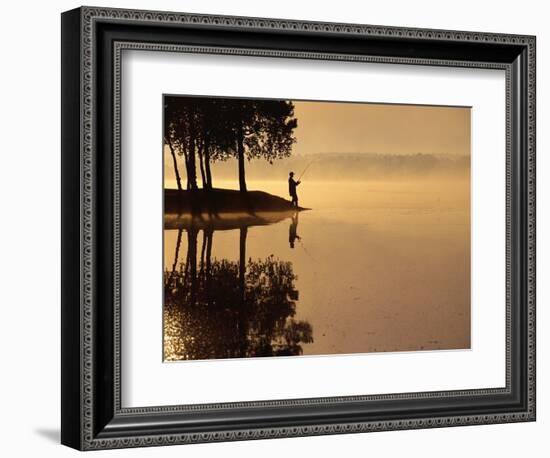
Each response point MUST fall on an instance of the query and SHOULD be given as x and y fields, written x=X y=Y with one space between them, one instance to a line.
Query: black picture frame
x=92 y=416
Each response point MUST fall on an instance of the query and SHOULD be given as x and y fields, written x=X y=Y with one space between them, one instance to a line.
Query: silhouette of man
x=292 y=188
x=293 y=230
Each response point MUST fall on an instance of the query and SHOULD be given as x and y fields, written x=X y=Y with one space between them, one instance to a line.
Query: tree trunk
x=176 y=257
x=201 y=163
x=192 y=251
x=210 y=235
x=208 y=269
x=242 y=323
x=240 y=155
x=192 y=169
x=186 y=160
x=177 y=254
x=173 y=153
x=207 y=163
x=242 y=257
x=203 y=249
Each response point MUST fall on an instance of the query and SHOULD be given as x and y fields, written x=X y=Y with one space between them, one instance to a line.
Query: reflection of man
x=292 y=230
x=292 y=188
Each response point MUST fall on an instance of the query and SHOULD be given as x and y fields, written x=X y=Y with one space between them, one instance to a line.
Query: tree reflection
x=217 y=308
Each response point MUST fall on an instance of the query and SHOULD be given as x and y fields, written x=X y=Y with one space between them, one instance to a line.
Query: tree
x=182 y=133
x=273 y=134
x=261 y=129
x=212 y=144
x=170 y=138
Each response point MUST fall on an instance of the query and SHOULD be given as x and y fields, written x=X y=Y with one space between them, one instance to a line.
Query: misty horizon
x=341 y=166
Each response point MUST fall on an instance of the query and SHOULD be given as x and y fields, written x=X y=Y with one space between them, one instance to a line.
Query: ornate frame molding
x=89 y=17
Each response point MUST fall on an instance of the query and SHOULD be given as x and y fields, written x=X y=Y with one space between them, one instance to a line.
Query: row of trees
x=207 y=129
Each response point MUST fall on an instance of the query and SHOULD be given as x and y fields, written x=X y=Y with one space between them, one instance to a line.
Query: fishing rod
x=305 y=170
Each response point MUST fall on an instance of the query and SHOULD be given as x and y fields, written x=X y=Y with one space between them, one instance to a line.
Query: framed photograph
x=276 y=228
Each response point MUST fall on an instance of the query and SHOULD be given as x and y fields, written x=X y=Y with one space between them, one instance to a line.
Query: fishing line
x=305 y=251
x=304 y=171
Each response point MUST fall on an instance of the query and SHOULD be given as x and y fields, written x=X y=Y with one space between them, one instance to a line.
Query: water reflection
x=219 y=308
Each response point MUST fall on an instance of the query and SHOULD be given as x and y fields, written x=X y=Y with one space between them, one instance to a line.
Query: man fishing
x=292 y=188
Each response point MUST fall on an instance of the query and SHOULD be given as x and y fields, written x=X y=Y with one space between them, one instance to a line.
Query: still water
x=371 y=267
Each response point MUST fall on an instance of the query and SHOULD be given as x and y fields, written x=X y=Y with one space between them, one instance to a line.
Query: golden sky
x=384 y=129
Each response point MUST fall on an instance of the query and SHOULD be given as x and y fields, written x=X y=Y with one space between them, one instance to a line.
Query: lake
x=374 y=266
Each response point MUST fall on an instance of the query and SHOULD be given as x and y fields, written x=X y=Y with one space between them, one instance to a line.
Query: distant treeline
x=352 y=166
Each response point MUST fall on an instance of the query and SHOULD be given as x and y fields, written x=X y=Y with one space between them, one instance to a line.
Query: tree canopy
x=207 y=129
